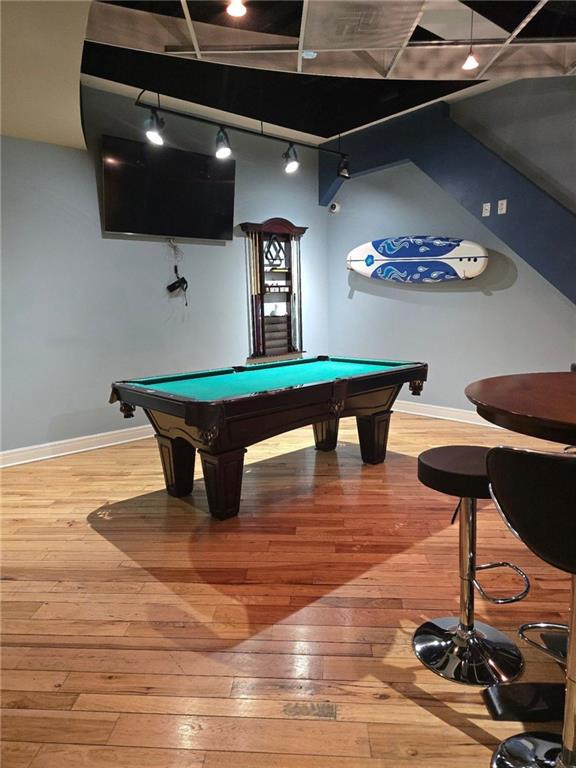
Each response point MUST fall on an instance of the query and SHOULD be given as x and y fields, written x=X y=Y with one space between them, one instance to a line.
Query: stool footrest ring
x=503 y=600
x=544 y=626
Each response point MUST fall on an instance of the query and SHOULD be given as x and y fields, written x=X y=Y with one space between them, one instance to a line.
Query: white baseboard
x=104 y=439
x=74 y=445
x=440 y=412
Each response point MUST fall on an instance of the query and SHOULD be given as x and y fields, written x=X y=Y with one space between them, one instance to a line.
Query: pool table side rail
x=139 y=385
x=132 y=392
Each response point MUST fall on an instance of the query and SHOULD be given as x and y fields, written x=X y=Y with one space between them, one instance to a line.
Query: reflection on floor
x=139 y=632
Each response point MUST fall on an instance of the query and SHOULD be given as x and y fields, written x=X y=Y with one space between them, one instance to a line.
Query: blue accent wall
x=537 y=227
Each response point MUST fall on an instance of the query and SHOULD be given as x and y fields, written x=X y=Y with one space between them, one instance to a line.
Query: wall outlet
x=502 y=206
x=485 y=209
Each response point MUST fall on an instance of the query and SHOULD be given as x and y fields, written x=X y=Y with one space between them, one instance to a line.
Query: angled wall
x=537 y=227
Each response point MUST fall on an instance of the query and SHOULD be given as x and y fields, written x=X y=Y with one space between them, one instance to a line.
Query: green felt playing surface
x=220 y=386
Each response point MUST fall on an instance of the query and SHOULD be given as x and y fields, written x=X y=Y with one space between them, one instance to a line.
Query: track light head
x=344 y=167
x=236 y=8
x=223 y=149
x=471 y=61
x=153 y=127
x=291 y=162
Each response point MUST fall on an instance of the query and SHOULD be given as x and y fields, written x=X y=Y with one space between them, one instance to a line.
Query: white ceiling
x=42 y=43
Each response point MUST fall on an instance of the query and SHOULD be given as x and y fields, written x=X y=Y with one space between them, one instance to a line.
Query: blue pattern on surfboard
x=416 y=246
x=410 y=272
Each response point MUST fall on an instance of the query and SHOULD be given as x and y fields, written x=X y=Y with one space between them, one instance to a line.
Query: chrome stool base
x=481 y=656
x=529 y=750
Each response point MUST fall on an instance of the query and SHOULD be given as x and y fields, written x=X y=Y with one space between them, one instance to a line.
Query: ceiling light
x=471 y=60
x=344 y=167
x=223 y=149
x=236 y=8
x=153 y=127
x=309 y=54
x=291 y=162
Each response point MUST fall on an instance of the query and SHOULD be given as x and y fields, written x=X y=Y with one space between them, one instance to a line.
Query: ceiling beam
x=186 y=50
x=371 y=62
x=400 y=51
x=191 y=30
x=303 y=19
x=511 y=37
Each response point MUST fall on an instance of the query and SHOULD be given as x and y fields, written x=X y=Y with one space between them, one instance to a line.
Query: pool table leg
x=223 y=479
x=326 y=434
x=177 y=456
x=373 y=435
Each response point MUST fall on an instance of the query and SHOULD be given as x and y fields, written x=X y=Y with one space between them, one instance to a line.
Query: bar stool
x=536 y=495
x=465 y=650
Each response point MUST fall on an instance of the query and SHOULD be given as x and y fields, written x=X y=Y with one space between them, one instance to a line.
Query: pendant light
x=471 y=60
x=236 y=8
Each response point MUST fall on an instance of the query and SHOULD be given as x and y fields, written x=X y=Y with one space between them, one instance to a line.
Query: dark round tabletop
x=537 y=404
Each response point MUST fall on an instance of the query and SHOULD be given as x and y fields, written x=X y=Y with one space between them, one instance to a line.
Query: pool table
x=221 y=412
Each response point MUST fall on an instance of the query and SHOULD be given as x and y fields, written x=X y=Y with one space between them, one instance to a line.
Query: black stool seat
x=457 y=470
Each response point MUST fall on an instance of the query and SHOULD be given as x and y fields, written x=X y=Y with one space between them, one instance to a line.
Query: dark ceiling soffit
x=318 y=105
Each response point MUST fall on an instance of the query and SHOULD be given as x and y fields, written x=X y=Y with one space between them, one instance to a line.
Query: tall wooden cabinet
x=274 y=287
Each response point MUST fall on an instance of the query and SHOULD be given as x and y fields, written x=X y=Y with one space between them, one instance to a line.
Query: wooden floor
x=139 y=633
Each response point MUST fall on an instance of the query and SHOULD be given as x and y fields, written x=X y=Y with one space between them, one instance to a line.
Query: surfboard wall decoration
x=418 y=259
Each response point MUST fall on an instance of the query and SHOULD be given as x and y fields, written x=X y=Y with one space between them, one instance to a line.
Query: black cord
x=180 y=282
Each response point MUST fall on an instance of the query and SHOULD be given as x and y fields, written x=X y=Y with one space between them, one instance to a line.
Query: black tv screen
x=165 y=192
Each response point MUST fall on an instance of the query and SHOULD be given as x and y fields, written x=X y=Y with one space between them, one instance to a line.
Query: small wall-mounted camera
x=334 y=207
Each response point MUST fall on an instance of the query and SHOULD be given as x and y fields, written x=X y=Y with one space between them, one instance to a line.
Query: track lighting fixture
x=344 y=167
x=153 y=127
x=223 y=149
x=236 y=8
x=471 y=60
x=291 y=162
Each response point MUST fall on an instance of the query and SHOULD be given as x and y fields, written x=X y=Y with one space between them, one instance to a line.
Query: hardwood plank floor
x=137 y=631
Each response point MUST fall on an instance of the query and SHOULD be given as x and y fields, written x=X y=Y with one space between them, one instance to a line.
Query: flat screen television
x=164 y=192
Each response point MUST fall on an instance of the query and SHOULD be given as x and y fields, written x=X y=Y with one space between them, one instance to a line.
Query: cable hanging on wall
x=180 y=284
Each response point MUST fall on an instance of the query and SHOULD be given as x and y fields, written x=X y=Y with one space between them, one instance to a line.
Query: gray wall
x=529 y=123
x=509 y=319
x=80 y=311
